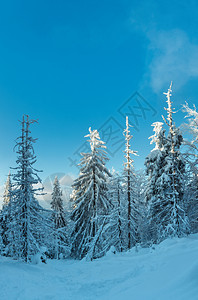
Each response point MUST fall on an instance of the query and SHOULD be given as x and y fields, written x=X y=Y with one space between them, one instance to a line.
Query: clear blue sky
x=73 y=64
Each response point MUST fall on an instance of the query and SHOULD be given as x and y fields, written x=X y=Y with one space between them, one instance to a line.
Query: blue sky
x=73 y=64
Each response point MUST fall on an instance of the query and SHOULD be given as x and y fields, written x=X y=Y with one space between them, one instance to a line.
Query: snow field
x=170 y=271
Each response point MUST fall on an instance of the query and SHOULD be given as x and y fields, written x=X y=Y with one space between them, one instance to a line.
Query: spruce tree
x=191 y=158
x=7 y=191
x=115 y=227
x=154 y=190
x=90 y=200
x=5 y=214
x=173 y=180
x=26 y=231
x=59 y=223
x=2 y=246
x=165 y=189
x=143 y=223
x=129 y=180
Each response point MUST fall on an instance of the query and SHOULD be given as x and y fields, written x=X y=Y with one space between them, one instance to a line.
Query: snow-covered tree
x=12 y=229
x=129 y=180
x=59 y=243
x=90 y=200
x=173 y=181
x=154 y=190
x=143 y=222
x=154 y=161
x=2 y=246
x=57 y=205
x=158 y=138
x=5 y=216
x=165 y=188
x=114 y=231
x=191 y=159
x=7 y=191
x=191 y=127
x=26 y=230
x=191 y=201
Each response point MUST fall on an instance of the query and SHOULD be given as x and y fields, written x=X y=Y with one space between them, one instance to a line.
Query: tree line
x=110 y=210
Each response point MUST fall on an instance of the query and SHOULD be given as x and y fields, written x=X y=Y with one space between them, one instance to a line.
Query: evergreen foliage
x=59 y=235
x=90 y=199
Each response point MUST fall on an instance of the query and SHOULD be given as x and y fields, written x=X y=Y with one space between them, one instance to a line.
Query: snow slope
x=170 y=271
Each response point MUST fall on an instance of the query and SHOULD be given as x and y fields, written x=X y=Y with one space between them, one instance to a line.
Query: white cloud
x=171 y=54
x=173 y=58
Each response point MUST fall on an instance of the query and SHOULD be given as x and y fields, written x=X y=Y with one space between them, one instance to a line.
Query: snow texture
x=170 y=271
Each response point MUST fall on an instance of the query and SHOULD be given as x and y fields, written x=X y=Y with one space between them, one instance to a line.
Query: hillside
x=170 y=271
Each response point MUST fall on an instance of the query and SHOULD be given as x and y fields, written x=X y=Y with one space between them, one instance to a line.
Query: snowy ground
x=168 y=272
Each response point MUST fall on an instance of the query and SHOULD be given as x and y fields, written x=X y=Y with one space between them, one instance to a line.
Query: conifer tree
x=130 y=190
x=5 y=214
x=191 y=201
x=26 y=230
x=154 y=190
x=191 y=159
x=173 y=180
x=58 y=220
x=90 y=200
x=7 y=191
x=165 y=188
x=2 y=246
x=143 y=223
x=115 y=227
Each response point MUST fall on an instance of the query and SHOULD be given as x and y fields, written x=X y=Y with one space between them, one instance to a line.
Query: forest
x=110 y=210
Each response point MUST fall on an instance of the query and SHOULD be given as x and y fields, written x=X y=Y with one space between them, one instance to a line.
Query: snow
x=170 y=271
